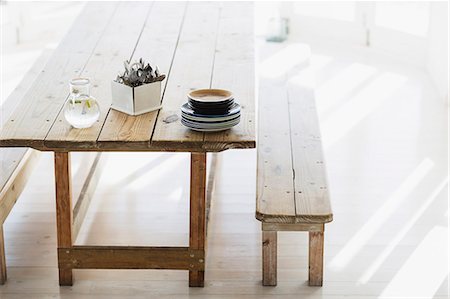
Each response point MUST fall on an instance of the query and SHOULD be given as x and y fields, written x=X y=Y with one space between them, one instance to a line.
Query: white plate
x=209 y=119
x=201 y=126
x=210 y=130
x=221 y=126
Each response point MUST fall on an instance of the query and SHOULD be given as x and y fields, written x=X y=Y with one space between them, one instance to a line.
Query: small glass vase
x=277 y=30
x=81 y=109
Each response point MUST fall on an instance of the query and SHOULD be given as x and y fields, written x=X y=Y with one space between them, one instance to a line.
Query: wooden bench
x=292 y=192
x=16 y=164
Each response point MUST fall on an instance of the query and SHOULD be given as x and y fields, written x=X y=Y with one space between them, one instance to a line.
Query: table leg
x=315 y=258
x=197 y=231
x=63 y=209
x=2 y=257
x=269 y=258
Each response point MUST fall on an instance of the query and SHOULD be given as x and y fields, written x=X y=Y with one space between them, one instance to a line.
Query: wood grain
x=275 y=187
x=11 y=157
x=87 y=192
x=312 y=201
x=315 y=277
x=234 y=69
x=269 y=258
x=9 y=160
x=191 y=69
x=18 y=93
x=127 y=257
x=16 y=183
x=34 y=116
x=304 y=227
x=16 y=164
x=3 y=275
x=294 y=142
x=63 y=209
x=213 y=171
x=197 y=210
x=102 y=67
x=292 y=184
x=156 y=45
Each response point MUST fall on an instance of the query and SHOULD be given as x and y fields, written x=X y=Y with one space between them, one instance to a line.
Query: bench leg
x=2 y=257
x=269 y=260
x=197 y=227
x=63 y=209
x=315 y=258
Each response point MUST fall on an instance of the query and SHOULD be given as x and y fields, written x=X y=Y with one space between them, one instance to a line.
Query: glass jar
x=277 y=29
x=81 y=109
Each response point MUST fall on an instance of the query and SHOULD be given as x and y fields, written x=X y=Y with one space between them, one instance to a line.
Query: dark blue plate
x=235 y=109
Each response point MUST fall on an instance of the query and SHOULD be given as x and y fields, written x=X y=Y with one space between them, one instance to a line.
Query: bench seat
x=292 y=189
x=16 y=164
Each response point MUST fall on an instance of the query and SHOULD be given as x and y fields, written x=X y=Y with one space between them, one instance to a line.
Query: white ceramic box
x=136 y=100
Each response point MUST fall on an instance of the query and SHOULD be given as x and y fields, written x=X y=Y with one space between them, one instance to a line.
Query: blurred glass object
x=277 y=29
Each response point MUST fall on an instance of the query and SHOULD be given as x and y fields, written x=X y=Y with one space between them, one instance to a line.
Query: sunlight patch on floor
x=339 y=123
x=378 y=218
x=342 y=85
x=402 y=233
x=424 y=271
x=280 y=63
x=163 y=170
x=176 y=195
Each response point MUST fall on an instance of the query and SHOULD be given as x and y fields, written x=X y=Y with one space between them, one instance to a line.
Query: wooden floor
x=385 y=137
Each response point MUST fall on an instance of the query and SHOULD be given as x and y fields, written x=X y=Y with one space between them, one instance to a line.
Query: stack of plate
x=210 y=110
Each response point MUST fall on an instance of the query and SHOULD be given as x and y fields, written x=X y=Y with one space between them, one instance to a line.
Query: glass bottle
x=277 y=29
x=81 y=109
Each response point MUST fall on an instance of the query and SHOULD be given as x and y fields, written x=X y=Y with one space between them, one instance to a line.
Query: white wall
x=437 y=63
x=427 y=49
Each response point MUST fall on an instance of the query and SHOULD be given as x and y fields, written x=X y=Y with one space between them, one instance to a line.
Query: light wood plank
x=312 y=200
x=191 y=69
x=63 y=209
x=213 y=172
x=3 y=275
x=16 y=163
x=269 y=258
x=16 y=183
x=34 y=116
x=275 y=187
x=114 y=257
x=11 y=157
x=197 y=210
x=87 y=192
x=157 y=45
x=234 y=70
x=13 y=100
x=310 y=197
x=315 y=259
x=102 y=68
x=308 y=227
x=9 y=160
x=82 y=166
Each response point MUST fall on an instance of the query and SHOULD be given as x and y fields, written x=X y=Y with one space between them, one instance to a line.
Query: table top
x=196 y=44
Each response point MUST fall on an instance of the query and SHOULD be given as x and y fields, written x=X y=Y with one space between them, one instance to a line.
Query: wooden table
x=198 y=45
